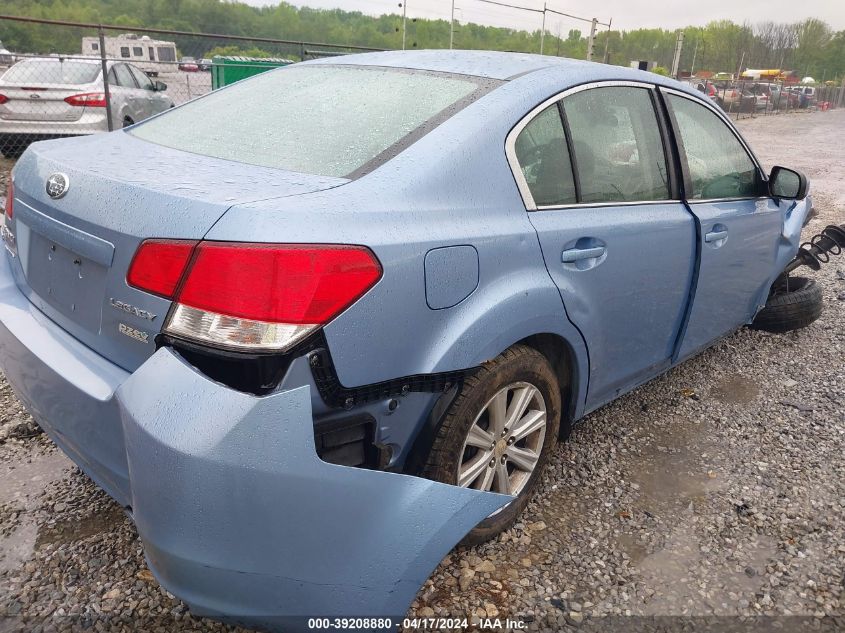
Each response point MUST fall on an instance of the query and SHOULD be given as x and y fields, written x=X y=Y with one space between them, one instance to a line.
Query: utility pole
x=105 y=69
x=739 y=68
x=543 y=29
x=591 y=39
x=452 y=27
x=404 y=5
x=676 y=60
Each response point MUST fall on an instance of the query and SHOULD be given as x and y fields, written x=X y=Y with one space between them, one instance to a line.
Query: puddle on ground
x=736 y=389
x=670 y=573
x=671 y=470
x=75 y=529
x=18 y=546
x=20 y=487
x=677 y=467
x=28 y=479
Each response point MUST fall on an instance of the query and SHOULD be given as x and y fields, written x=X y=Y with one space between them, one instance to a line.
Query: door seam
x=693 y=287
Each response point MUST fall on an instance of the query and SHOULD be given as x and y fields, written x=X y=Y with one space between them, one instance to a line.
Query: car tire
x=527 y=374
x=127 y=121
x=791 y=309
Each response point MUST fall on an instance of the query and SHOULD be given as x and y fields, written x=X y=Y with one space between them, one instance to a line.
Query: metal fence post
x=105 y=68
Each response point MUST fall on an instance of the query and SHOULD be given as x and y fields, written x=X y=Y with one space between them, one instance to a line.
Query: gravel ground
x=715 y=490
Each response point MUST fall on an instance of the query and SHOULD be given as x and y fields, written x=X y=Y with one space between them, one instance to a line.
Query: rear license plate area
x=71 y=284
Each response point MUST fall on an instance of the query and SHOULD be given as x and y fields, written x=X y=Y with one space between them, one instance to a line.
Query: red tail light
x=10 y=198
x=253 y=296
x=3 y=99
x=158 y=266
x=89 y=99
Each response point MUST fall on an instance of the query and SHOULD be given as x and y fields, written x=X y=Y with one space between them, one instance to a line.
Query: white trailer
x=152 y=56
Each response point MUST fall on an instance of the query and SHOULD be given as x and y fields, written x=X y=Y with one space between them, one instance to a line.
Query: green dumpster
x=227 y=70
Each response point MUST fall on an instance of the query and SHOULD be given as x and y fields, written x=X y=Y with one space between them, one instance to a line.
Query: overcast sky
x=626 y=14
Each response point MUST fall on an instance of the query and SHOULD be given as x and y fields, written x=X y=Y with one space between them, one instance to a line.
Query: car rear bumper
x=238 y=515
x=67 y=387
x=89 y=123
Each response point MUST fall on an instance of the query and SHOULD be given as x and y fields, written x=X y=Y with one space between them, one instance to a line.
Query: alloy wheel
x=505 y=441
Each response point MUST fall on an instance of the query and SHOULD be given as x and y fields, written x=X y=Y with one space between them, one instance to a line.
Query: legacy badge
x=130 y=309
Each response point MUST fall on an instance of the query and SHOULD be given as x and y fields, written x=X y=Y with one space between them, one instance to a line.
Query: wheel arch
x=562 y=358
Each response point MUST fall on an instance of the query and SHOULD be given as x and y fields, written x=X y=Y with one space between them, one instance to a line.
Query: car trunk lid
x=75 y=250
x=38 y=102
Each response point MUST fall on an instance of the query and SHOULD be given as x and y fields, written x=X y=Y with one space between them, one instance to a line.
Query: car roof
x=491 y=64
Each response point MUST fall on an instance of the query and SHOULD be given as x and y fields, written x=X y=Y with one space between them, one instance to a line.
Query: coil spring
x=817 y=251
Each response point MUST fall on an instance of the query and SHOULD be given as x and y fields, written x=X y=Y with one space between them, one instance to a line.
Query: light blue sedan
x=313 y=329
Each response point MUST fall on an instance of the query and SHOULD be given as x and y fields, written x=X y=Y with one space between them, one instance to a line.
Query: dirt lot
x=715 y=491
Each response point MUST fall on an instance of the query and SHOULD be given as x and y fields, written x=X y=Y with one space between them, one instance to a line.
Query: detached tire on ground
x=791 y=309
x=498 y=433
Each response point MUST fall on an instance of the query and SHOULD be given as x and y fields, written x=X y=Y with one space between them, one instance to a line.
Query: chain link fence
x=74 y=78
x=95 y=78
x=750 y=98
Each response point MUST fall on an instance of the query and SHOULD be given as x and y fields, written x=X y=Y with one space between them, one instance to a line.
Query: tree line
x=809 y=47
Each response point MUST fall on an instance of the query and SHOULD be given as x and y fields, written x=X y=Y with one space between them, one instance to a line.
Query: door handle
x=577 y=254
x=715 y=236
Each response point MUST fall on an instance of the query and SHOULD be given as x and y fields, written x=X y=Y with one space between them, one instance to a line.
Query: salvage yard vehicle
x=351 y=336
x=735 y=97
x=52 y=97
x=188 y=64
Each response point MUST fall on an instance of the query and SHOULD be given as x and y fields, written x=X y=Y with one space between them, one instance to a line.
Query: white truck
x=152 y=56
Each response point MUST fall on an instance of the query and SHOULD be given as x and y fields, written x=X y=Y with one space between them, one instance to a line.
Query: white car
x=50 y=97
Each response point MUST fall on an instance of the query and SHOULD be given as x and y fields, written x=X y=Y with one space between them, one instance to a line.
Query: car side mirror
x=787 y=184
x=159 y=86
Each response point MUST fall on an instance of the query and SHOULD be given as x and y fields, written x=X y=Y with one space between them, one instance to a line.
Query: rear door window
x=719 y=166
x=544 y=159
x=617 y=145
x=124 y=77
x=142 y=80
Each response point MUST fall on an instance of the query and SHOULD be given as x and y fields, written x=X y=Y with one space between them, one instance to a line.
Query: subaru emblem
x=57 y=185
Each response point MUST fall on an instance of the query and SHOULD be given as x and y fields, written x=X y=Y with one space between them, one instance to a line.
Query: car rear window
x=330 y=120
x=49 y=71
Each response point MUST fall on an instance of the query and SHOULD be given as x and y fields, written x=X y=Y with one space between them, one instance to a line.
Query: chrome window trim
x=712 y=200
x=513 y=162
x=724 y=118
x=583 y=205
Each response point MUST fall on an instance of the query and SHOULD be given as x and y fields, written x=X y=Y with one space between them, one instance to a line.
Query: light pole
x=607 y=41
x=404 y=5
x=694 y=55
x=452 y=27
x=543 y=29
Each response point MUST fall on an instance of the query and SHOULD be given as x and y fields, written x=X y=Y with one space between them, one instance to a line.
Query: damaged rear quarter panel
x=239 y=517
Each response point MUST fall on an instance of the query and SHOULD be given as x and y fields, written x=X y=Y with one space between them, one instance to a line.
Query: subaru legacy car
x=351 y=336
x=49 y=97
